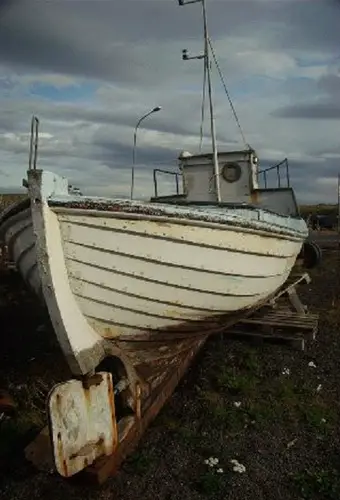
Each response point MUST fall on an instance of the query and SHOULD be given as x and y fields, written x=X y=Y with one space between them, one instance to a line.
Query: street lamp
x=154 y=110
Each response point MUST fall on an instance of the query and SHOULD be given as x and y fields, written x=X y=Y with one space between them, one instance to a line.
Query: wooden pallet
x=280 y=326
x=283 y=319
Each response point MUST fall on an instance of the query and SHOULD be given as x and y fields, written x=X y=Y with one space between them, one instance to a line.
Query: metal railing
x=34 y=143
x=278 y=168
x=168 y=172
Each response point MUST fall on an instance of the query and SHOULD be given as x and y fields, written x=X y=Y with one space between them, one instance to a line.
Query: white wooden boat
x=139 y=286
x=114 y=272
x=133 y=267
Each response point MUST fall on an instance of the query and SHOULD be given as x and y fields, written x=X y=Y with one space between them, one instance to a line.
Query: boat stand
x=283 y=319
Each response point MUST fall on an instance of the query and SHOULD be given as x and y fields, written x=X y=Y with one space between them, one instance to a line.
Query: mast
x=212 y=118
x=338 y=221
x=206 y=58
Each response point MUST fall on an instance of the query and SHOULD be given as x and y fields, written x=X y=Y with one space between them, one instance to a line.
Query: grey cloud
x=79 y=38
x=118 y=156
x=299 y=170
x=325 y=168
x=136 y=45
x=179 y=116
x=325 y=106
x=317 y=111
x=331 y=84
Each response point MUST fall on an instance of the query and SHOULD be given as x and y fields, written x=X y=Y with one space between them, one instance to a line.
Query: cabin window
x=231 y=172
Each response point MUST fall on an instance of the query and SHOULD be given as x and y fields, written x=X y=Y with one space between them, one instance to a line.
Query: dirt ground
x=272 y=409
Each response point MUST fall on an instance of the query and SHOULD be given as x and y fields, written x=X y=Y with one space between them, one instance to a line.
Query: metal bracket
x=82 y=421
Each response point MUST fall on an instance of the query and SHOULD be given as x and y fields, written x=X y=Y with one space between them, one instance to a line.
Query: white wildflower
x=319 y=387
x=291 y=443
x=211 y=461
x=323 y=420
x=286 y=371
x=237 y=467
x=208 y=462
x=311 y=364
x=237 y=404
x=220 y=471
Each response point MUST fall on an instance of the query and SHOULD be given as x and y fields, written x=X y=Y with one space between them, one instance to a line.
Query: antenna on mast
x=206 y=58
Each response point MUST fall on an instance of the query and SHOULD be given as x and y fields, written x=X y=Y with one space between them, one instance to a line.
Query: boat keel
x=86 y=429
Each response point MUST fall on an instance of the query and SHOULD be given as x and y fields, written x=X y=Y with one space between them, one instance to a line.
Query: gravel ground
x=272 y=409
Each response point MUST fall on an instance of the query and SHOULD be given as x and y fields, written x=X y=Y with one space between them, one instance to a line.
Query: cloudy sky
x=89 y=69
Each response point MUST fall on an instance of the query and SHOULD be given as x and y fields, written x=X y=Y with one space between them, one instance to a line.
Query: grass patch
x=237 y=383
x=221 y=412
x=168 y=421
x=319 y=416
x=263 y=411
x=251 y=362
x=211 y=483
x=140 y=461
x=188 y=435
x=318 y=484
x=185 y=431
x=263 y=399
x=29 y=417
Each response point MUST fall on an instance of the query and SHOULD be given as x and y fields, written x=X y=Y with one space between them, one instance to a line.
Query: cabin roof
x=209 y=155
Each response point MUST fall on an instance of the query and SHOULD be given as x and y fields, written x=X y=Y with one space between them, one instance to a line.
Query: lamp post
x=154 y=110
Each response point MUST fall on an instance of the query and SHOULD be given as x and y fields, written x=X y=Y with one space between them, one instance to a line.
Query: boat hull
x=130 y=277
x=120 y=271
x=115 y=274
x=18 y=236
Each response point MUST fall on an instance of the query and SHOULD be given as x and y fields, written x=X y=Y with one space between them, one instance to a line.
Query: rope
x=227 y=92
